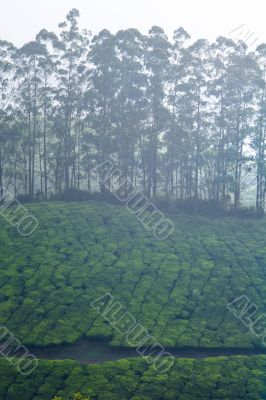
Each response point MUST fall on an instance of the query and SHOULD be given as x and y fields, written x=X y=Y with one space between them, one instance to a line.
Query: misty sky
x=20 y=20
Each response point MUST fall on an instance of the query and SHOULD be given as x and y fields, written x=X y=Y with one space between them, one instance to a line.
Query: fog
x=21 y=20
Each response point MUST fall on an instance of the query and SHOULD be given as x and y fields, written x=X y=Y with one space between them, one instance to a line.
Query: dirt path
x=94 y=351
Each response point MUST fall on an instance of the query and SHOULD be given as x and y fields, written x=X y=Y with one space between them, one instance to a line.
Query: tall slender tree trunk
x=34 y=132
x=44 y=137
x=29 y=143
x=1 y=180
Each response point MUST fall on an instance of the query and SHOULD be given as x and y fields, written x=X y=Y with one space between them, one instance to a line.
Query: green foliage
x=178 y=289
x=76 y=396
x=224 y=378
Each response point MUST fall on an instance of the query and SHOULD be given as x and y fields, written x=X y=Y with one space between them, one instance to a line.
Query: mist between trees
x=181 y=120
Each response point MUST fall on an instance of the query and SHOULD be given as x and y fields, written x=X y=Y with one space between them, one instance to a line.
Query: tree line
x=181 y=120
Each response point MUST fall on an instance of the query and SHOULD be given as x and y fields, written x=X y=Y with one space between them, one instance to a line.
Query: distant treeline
x=181 y=120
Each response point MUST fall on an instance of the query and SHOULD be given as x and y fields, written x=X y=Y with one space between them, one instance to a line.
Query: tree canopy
x=182 y=120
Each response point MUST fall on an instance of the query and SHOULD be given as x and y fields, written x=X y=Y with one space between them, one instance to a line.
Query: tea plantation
x=223 y=378
x=178 y=288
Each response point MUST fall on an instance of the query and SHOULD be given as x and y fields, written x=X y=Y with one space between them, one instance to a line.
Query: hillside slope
x=224 y=378
x=178 y=288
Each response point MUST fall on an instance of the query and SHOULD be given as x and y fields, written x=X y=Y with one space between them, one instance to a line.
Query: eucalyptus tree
x=157 y=65
x=258 y=139
x=7 y=92
x=10 y=152
x=100 y=95
x=221 y=52
x=47 y=65
x=175 y=137
x=71 y=67
x=195 y=115
x=178 y=119
x=28 y=72
x=241 y=85
x=130 y=102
